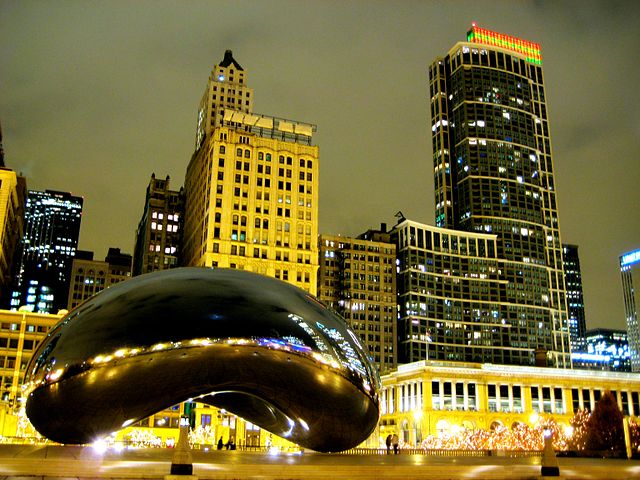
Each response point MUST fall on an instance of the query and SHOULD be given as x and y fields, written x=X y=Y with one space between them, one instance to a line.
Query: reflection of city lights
x=304 y=424
x=99 y=446
x=290 y=431
x=126 y=423
x=274 y=451
x=53 y=376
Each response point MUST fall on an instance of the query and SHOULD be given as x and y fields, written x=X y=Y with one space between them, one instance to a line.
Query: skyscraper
x=227 y=89
x=357 y=279
x=493 y=174
x=89 y=277
x=159 y=233
x=251 y=188
x=575 y=297
x=48 y=247
x=630 y=271
x=13 y=193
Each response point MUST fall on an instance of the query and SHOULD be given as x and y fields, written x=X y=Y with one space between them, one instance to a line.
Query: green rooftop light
x=530 y=50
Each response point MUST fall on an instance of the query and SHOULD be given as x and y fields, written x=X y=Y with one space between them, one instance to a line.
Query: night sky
x=96 y=96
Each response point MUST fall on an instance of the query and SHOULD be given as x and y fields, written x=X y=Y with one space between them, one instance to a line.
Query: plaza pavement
x=18 y=462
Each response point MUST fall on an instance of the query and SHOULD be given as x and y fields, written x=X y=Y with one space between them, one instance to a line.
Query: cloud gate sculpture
x=253 y=345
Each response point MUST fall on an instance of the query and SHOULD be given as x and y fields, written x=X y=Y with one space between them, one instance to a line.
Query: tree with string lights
x=605 y=429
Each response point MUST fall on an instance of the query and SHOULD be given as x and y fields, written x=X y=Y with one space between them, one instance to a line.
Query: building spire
x=228 y=60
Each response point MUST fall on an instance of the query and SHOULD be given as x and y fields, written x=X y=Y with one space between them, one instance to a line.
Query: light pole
x=181 y=463
x=549 y=461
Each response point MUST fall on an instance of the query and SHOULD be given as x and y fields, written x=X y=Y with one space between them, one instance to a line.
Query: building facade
x=252 y=191
x=356 y=278
x=449 y=299
x=49 y=244
x=89 y=276
x=226 y=90
x=436 y=398
x=20 y=334
x=630 y=272
x=13 y=194
x=159 y=233
x=493 y=173
x=575 y=298
x=606 y=349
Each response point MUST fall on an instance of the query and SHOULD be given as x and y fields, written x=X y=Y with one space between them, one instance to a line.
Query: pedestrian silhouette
x=394 y=441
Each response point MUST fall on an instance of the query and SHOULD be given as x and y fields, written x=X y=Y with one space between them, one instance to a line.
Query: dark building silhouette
x=575 y=297
x=604 y=349
x=159 y=233
x=49 y=244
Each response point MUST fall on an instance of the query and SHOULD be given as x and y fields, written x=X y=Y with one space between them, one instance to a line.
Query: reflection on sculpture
x=258 y=347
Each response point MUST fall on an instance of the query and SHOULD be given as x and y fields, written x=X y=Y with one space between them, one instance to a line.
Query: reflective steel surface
x=258 y=347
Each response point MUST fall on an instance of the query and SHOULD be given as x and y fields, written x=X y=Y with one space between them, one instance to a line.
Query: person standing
x=394 y=441
x=388 y=442
x=220 y=443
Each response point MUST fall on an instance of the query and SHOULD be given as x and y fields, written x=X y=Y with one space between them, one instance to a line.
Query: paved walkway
x=65 y=463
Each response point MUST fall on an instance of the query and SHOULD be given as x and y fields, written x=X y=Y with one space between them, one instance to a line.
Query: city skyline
x=119 y=84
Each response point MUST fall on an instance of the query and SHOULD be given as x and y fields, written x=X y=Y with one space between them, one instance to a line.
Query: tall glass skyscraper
x=575 y=298
x=493 y=174
x=630 y=271
x=52 y=229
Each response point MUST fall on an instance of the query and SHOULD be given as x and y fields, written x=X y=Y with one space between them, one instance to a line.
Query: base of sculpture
x=550 y=471
x=181 y=469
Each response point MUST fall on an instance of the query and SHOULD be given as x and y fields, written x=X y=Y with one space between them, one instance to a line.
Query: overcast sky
x=97 y=95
